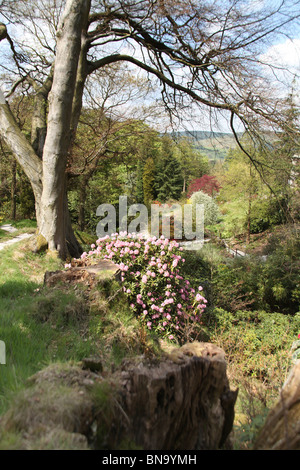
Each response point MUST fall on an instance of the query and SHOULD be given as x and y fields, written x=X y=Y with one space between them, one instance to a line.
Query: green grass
x=37 y=324
x=42 y=325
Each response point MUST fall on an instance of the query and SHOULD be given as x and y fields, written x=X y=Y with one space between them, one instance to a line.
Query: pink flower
x=144 y=279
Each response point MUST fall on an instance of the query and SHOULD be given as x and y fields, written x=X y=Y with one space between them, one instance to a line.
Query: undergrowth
x=42 y=326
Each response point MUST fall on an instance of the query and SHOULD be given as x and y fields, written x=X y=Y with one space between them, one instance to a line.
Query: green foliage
x=168 y=180
x=16 y=195
x=193 y=163
x=168 y=176
x=264 y=332
x=259 y=351
x=26 y=206
x=247 y=203
x=270 y=282
x=267 y=213
x=139 y=191
x=211 y=211
x=148 y=181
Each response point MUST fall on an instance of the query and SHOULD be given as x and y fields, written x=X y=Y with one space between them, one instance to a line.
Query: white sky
x=285 y=54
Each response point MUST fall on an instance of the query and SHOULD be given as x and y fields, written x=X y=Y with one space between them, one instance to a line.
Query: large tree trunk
x=24 y=153
x=55 y=226
x=44 y=162
x=39 y=117
x=81 y=206
x=13 y=189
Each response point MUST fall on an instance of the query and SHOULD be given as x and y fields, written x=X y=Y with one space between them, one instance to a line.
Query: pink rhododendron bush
x=150 y=273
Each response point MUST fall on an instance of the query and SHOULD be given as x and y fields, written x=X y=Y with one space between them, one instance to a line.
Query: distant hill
x=215 y=145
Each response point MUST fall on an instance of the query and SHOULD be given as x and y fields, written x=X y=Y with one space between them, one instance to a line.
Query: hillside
x=214 y=145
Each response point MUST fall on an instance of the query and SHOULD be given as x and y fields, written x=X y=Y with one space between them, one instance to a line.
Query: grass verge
x=42 y=325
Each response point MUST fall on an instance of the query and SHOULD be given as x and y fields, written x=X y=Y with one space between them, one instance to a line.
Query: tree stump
x=89 y=275
x=281 y=430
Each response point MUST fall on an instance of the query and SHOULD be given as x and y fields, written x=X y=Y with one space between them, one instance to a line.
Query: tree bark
x=13 y=189
x=81 y=209
x=24 y=153
x=39 y=117
x=44 y=162
x=55 y=226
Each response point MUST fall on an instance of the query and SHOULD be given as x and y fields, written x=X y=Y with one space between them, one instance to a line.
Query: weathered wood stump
x=281 y=430
x=180 y=401
x=88 y=275
x=183 y=402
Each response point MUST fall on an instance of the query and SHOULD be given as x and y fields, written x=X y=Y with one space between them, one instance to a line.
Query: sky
x=285 y=53
x=285 y=56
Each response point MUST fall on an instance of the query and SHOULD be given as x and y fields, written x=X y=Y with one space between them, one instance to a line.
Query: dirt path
x=18 y=238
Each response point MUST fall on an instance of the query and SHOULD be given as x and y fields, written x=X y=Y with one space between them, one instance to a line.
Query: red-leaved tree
x=208 y=184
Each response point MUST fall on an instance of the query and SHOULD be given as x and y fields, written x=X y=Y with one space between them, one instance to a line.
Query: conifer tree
x=168 y=180
x=139 y=192
x=148 y=181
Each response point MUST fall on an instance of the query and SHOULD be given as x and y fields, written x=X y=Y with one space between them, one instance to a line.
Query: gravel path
x=11 y=229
